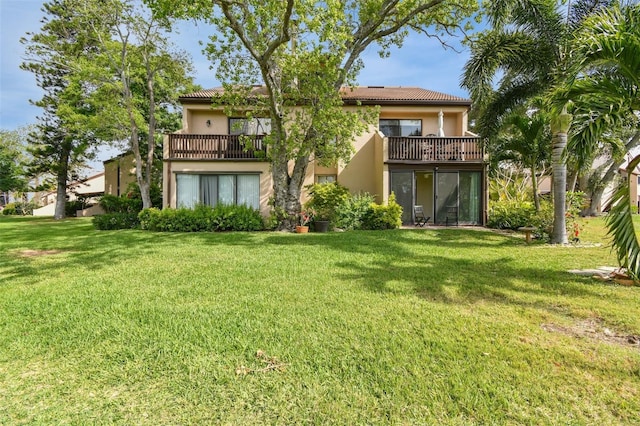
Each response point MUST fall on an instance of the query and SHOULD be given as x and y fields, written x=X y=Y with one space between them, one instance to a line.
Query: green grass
x=428 y=326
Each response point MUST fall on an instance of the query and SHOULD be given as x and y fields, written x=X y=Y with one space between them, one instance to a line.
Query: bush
x=131 y=201
x=510 y=214
x=325 y=198
x=202 y=219
x=71 y=207
x=10 y=209
x=122 y=204
x=351 y=211
x=515 y=214
x=111 y=221
x=20 y=208
x=383 y=217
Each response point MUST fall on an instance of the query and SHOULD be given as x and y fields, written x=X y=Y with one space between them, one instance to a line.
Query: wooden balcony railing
x=435 y=149
x=215 y=147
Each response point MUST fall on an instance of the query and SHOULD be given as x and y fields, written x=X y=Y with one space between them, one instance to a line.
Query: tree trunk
x=145 y=188
x=61 y=184
x=559 y=127
x=534 y=187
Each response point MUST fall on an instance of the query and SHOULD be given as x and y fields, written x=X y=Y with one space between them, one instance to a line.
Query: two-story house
x=420 y=150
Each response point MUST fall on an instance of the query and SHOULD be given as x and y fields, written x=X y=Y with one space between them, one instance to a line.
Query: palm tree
x=525 y=141
x=607 y=85
x=526 y=48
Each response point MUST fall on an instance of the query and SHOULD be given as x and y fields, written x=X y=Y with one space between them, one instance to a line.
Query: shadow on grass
x=435 y=264
x=440 y=265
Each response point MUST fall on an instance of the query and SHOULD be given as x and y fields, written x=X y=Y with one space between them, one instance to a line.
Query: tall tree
x=12 y=172
x=527 y=48
x=140 y=75
x=63 y=139
x=607 y=84
x=525 y=139
x=305 y=52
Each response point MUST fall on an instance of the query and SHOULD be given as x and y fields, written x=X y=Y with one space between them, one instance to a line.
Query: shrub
x=383 y=216
x=510 y=214
x=71 y=207
x=351 y=211
x=111 y=221
x=130 y=201
x=20 y=208
x=325 y=198
x=202 y=219
x=10 y=209
x=122 y=204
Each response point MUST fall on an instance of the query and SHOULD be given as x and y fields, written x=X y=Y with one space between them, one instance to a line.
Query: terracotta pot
x=302 y=229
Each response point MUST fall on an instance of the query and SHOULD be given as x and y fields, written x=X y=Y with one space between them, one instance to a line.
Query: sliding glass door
x=402 y=187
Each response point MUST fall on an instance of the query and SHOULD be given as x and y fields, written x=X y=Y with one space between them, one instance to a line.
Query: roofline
x=352 y=101
x=406 y=102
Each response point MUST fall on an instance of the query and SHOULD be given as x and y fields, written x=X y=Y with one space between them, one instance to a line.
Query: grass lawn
x=425 y=326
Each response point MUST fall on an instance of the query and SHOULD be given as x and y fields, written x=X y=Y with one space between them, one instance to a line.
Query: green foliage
x=510 y=214
x=71 y=207
x=12 y=173
x=20 y=208
x=308 y=118
x=325 y=199
x=122 y=204
x=380 y=217
x=112 y=221
x=202 y=219
x=352 y=210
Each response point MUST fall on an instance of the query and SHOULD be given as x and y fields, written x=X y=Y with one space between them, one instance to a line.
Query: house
x=87 y=190
x=420 y=149
x=119 y=173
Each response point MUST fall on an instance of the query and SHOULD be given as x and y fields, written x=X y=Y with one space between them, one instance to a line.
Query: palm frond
x=621 y=228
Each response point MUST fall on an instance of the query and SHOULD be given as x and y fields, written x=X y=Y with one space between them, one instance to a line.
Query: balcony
x=215 y=147
x=435 y=149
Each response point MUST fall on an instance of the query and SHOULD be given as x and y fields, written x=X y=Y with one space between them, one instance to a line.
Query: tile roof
x=368 y=95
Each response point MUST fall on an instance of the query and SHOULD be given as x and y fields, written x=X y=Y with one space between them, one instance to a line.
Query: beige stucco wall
x=125 y=167
x=365 y=172
x=454 y=117
x=170 y=170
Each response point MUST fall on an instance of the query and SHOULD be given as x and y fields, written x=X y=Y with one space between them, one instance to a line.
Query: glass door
x=470 y=198
x=446 y=195
x=402 y=187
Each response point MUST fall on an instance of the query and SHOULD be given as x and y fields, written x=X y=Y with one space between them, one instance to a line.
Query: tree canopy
x=304 y=52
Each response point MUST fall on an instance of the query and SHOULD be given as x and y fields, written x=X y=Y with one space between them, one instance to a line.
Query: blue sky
x=421 y=62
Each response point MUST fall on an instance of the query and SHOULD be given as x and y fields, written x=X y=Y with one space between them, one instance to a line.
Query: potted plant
x=306 y=216
x=324 y=197
x=322 y=221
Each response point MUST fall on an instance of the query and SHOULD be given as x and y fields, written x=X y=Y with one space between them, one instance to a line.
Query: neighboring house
x=87 y=190
x=119 y=173
x=420 y=149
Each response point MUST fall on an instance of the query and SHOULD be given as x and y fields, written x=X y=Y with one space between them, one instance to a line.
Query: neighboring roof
x=366 y=95
x=118 y=157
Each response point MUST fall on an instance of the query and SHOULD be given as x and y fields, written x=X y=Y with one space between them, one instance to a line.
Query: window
x=325 y=178
x=245 y=126
x=214 y=189
x=401 y=127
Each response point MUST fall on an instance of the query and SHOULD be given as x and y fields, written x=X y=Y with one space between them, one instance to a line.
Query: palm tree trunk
x=534 y=187
x=559 y=127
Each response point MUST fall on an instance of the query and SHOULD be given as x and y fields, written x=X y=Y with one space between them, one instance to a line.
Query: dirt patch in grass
x=594 y=328
x=36 y=253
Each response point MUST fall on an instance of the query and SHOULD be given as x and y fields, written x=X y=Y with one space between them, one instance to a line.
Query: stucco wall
x=124 y=166
x=454 y=119
x=361 y=173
